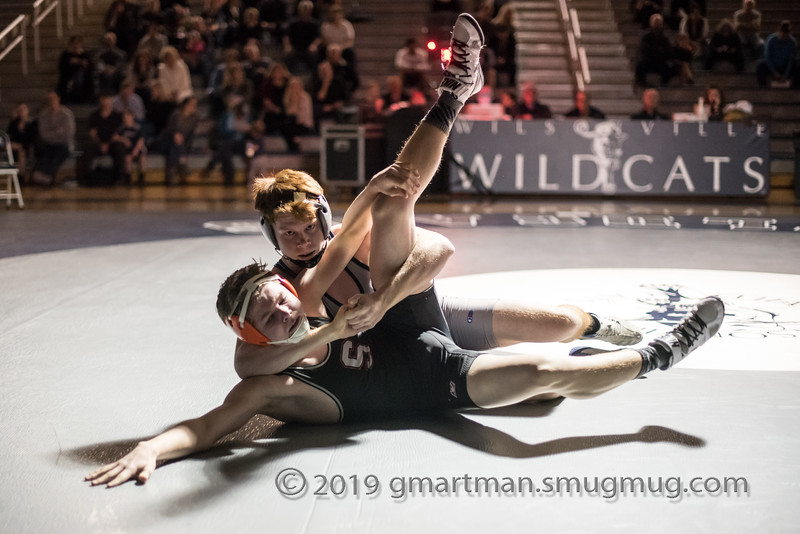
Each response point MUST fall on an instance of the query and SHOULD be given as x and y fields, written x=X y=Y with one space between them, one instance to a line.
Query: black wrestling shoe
x=700 y=324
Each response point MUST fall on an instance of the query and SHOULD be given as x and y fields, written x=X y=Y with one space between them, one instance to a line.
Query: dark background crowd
x=253 y=69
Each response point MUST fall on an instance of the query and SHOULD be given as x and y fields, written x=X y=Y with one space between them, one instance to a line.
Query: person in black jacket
x=649 y=111
x=654 y=53
x=725 y=45
x=583 y=108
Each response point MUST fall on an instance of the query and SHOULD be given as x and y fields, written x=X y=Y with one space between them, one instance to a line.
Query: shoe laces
x=459 y=56
x=690 y=331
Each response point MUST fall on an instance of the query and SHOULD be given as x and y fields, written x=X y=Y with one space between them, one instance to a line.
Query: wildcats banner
x=622 y=157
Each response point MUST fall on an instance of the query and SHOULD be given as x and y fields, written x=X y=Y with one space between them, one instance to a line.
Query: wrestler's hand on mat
x=397 y=180
x=364 y=311
x=139 y=464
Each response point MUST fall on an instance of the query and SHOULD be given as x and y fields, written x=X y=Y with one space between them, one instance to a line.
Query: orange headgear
x=236 y=319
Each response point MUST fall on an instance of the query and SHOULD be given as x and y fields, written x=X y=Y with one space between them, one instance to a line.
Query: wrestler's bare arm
x=311 y=284
x=252 y=360
x=427 y=259
x=244 y=401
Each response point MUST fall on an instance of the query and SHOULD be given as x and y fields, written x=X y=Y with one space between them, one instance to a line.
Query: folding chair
x=10 y=172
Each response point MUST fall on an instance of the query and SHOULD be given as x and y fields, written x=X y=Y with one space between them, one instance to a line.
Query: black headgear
x=324 y=217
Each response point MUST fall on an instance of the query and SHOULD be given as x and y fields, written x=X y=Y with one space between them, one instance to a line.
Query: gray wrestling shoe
x=588 y=351
x=463 y=76
x=616 y=332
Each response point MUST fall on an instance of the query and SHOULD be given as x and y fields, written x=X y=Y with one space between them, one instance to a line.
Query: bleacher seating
x=608 y=33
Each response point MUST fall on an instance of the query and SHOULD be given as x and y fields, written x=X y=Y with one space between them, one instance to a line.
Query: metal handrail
x=13 y=35
x=41 y=9
x=572 y=27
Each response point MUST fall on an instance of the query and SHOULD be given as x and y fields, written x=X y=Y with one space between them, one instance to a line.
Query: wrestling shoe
x=588 y=351
x=463 y=76
x=616 y=332
x=700 y=324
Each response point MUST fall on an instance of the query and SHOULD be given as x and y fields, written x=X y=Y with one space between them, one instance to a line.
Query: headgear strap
x=236 y=319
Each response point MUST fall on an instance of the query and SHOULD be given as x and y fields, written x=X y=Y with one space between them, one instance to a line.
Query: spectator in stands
x=508 y=98
x=529 y=106
x=173 y=73
x=713 y=104
x=236 y=88
x=504 y=47
x=178 y=136
x=779 y=65
x=680 y=9
x=75 y=84
x=228 y=19
x=273 y=18
x=654 y=53
x=103 y=123
x=505 y=14
x=230 y=56
x=747 y=23
x=111 y=63
x=337 y=30
x=122 y=18
x=370 y=108
x=299 y=112
x=725 y=45
x=151 y=13
x=210 y=10
x=159 y=110
x=643 y=11
x=128 y=99
x=484 y=13
x=177 y=19
x=250 y=28
x=683 y=55
x=22 y=134
x=411 y=62
x=256 y=66
x=695 y=27
x=395 y=94
x=442 y=15
x=271 y=94
x=56 y=139
x=583 y=108
x=740 y=111
x=259 y=160
x=193 y=53
x=649 y=111
x=330 y=94
x=154 y=41
x=233 y=97
x=401 y=120
x=302 y=40
x=342 y=70
x=233 y=126
x=128 y=145
x=142 y=72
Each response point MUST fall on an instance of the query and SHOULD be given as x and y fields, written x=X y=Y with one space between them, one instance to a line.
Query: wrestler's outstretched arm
x=243 y=402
